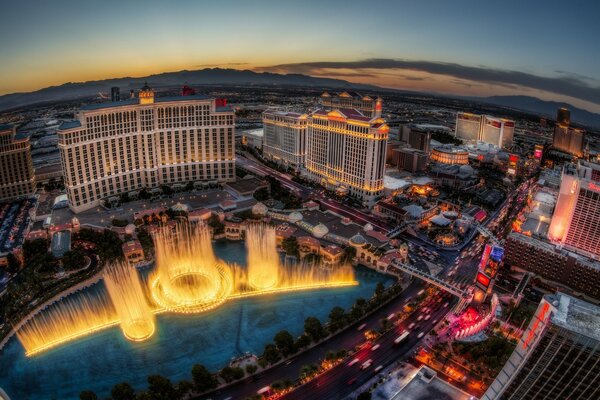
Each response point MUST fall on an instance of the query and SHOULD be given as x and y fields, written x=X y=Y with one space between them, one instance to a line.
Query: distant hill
x=543 y=107
x=208 y=76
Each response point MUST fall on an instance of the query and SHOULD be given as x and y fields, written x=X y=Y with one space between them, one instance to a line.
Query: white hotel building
x=346 y=152
x=118 y=147
x=484 y=128
x=284 y=139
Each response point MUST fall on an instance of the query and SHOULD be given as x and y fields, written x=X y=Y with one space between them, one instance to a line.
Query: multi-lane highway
x=347 y=339
x=342 y=380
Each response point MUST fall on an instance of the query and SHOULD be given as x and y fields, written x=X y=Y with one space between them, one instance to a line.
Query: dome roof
x=358 y=240
x=295 y=216
x=320 y=230
x=145 y=87
x=368 y=227
x=179 y=207
x=130 y=229
x=259 y=209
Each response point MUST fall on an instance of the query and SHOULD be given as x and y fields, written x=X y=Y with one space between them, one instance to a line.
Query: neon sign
x=536 y=325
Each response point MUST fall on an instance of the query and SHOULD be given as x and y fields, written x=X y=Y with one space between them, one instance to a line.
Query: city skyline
x=464 y=49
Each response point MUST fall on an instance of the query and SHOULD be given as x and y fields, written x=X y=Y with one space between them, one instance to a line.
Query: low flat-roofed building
x=425 y=385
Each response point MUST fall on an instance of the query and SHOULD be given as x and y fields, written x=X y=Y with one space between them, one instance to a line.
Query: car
x=420 y=335
x=390 y=317
x=427 y=317
x=401 y=338
x=446 y=304
x=420 y=317
x=375 y=347
x=360 y=328
x=351 y=381
x=435 y=321
x=366 y=364
x=411 y=325
x=379 y=368
x=351 y=363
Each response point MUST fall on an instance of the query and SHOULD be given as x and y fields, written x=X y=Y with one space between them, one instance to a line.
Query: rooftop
x=576 y=315
x=130 y=102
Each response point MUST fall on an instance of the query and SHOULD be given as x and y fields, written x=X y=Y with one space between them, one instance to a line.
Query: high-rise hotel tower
x=473 y=127
x=17 y=178
x=367 y=105
x=145 y=142
x=558 y=356
x=285 y=137
x=346 y=152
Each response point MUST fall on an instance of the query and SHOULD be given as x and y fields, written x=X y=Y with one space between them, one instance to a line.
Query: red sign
x=509 y=124
x=537 y=153
x=483 y=280
x=513 y=158
x=536 y=325
x=594 y=187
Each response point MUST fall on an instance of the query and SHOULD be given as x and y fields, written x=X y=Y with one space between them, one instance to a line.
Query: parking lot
x=14 y=219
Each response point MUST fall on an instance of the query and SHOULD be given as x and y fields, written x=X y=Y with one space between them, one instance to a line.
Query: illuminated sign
x=495 y=124
x=483 y=280
x=497 y=253
x=509 y=124
x=538 y=151
x=593 y=186
x=511 y=171
x=485 y=256
x=543 y=317
x=513 y=158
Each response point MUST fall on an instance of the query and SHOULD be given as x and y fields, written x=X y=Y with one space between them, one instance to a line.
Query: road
x=306 y=193
x=347 y=339
x=342 y=380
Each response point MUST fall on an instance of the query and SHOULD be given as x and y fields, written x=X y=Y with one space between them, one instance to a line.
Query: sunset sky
x=547 y=49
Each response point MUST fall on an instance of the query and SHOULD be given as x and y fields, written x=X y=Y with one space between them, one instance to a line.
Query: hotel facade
x=118 y=147
x=367 y=105
x=346 y=152
x=284 y=138
x=497 y=131
x=17 y=177
x=557 y=357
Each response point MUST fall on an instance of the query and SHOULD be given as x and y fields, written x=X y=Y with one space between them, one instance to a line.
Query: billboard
x=497 y=253
x=539 y=150
x=483 y=281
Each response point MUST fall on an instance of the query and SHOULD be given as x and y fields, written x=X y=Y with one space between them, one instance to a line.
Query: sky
x=543 y=48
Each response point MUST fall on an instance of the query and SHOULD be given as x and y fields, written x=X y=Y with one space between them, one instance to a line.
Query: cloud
x=566 y=84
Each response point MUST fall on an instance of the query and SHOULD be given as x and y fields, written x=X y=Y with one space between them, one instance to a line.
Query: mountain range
x=219 y=76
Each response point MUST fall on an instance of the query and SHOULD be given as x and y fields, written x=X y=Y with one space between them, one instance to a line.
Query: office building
x=345 y=151
x=557 y=357
x=145 y=142
x=419 y=139
x=284 y=138
x=115 y=94
x=409 y=159
x=576 y=219
x=497 y=131
x=367 y=105
x=17 y=177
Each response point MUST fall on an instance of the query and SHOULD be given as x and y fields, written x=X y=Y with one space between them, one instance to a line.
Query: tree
x=251 y=368
x=364 y=396
x=261 y=194
x=215 y=223
x=284 y=342
x=203 y=379
x=73 y=259
x=302 y=342
x=183 y=388
x=87 y=395
x=35 y=247
x=290 y=246
x=379 y=289
x=122 y=391
x=271 y=354
x=231 y=373
x=337 y=319
x=13 y=265
x=313 y=328
x=308 y=370
x=160 y=388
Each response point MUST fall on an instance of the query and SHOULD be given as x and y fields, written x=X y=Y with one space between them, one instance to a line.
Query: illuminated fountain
x=127 y=296
x=188 y=276
x=263 y=259
x=73 y=317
